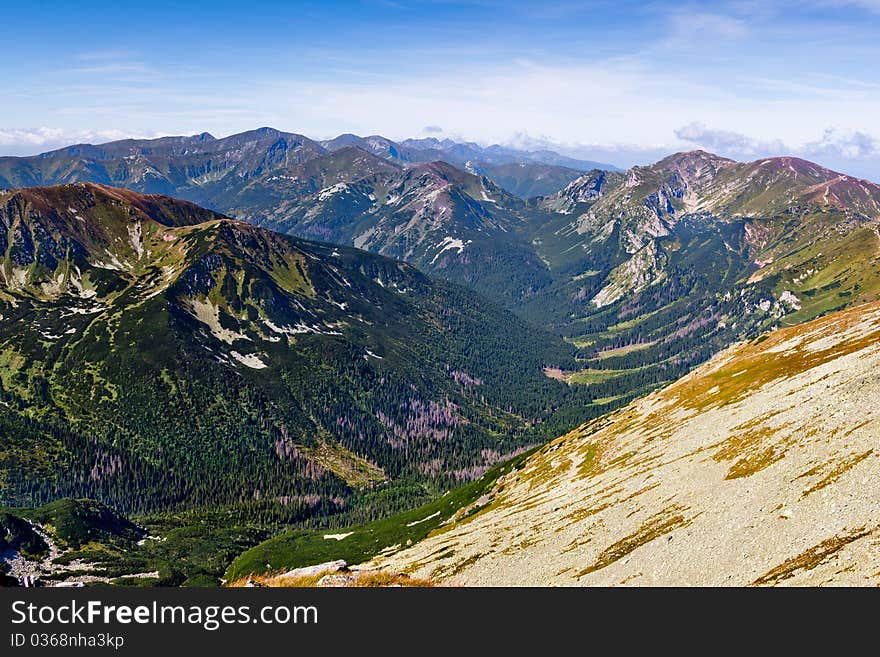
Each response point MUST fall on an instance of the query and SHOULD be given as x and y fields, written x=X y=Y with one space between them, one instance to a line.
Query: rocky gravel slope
x=762 y=467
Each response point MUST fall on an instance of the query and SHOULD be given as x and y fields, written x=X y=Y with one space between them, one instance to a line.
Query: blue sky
x=620 y=81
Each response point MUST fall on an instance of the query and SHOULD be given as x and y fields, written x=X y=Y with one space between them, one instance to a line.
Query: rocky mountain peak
x=694 y=168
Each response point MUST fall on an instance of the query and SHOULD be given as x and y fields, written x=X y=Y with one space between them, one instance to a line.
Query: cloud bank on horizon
x=624 y=81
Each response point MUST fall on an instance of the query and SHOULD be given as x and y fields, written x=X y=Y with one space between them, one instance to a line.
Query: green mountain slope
x=447 y=222
x=648 y=272
x=658 y=268
x=527 y=179
x=361 y=542
x=155 y=355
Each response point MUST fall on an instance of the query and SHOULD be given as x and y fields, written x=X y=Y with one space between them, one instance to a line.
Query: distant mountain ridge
x=428 y=149
x=145 y=159
x=648 y=271
x=157 y=355
x=523 y=173
x=427 y=212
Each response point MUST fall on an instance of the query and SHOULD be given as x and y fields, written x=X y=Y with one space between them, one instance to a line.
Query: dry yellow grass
x=359 y=579
x=759 y=467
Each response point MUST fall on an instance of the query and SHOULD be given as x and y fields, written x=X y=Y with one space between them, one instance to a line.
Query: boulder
x=337 y=580
x=308 y=571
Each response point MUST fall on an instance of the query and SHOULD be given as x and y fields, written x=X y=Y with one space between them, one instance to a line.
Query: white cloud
x=582 y=103
x=833 y=143
x=854 y=145
x=48 y=137
x=623 y=104
x=727 y=141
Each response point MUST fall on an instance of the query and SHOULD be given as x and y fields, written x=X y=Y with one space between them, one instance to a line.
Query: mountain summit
x=663 y=265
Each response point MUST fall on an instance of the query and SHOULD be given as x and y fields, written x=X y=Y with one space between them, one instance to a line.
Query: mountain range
x=355 y=191
x=648 y=272
x=266 y=331
x=519 y=172
x=167 y=164
x=157 y=355
x=732 y=247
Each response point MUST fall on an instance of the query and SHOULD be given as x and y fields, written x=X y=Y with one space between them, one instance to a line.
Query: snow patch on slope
x=209 y=315
x=250 y=360
x=327 y=192
x=449 y=243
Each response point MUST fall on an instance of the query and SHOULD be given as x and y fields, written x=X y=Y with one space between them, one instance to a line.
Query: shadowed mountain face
x=157 y=355
x=445 y=221
x=759 y=468
x=649 y=271
x=427 y=213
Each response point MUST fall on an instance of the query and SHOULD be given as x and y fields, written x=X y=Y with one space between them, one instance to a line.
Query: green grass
x=76 y=523
x=607 y=400
x=623 y=351
x=587 y=274
x=588 y=376
x=307 y=547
